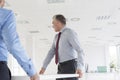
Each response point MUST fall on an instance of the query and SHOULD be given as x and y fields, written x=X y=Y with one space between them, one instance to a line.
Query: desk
x=87 y=76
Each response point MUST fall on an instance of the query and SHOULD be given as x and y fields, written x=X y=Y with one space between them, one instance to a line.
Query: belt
x=69 y=61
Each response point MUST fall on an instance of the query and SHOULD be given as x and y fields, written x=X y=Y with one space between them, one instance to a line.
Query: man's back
x=10 y=42
x=4 y=14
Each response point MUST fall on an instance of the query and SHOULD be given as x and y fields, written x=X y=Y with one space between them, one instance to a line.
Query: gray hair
x=1 y=1
x=60 y=18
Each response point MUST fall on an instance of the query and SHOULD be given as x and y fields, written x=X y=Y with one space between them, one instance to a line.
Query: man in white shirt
x=67 y=50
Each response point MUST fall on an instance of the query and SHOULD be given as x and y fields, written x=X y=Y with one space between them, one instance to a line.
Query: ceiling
x=96 y=21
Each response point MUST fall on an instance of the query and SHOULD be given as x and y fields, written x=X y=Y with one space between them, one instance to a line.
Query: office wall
x=95 y=56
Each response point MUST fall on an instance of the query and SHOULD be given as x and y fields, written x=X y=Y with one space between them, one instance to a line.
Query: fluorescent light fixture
x=55 y=1
x=91 y=36
x=96 y=29
x=110 y=40
x=103 y=17
x=34 y=31
x=98 y=39
x=112 y=23
x=22 y=21
x=75 y=19
x=118 y=8
x=43 y=39
x=49 y=26
x=117 y=36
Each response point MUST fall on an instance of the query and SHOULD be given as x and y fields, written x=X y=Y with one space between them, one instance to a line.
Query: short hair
x=60 y=18
x=1 y=1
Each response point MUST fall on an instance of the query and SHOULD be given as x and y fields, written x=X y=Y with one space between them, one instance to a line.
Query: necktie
x=57 y=46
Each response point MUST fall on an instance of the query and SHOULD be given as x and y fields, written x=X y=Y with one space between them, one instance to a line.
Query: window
x=118 y=56
x=113 y=55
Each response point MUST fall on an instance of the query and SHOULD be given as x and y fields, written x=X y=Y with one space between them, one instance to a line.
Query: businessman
x=10 y=43
x=67 y=50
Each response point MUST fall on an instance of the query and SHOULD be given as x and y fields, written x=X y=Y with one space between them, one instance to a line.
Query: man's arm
x=14 y=46
x=48 y=58
x=74 y=41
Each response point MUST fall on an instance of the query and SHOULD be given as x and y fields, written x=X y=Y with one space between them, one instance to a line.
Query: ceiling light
x=118 y=8
x=43 y=39
x=23 y=22
x=111 y=40
x=118 y=44
x=117 y=36
x=34 y=31
x=92 y=37
x=75 y=19
x=55 y=1
x=96 y=29
x=49 y=26
x=103 y=17
x=112 y=23
x=98 y=39
x=91 y=42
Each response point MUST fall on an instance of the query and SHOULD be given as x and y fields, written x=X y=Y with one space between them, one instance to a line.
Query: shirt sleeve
x=75 y=43
x=49 y=56
x=12 y=41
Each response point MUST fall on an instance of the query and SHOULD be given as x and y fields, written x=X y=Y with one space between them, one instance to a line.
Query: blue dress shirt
x=10 y=42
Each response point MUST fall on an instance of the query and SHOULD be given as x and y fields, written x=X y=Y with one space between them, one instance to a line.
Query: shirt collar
x=63 y=29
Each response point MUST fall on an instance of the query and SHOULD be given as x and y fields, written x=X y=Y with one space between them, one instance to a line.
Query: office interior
x=97 y=23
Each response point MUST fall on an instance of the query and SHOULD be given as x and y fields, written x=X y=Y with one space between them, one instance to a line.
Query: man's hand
x=35 y=77
x=42 y=71
x=78 y=71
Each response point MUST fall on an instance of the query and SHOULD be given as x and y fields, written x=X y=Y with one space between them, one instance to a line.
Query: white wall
x=94 y=56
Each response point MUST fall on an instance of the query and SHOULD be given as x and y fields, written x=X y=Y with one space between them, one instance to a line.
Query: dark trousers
x=67 y=67
x=4 y=71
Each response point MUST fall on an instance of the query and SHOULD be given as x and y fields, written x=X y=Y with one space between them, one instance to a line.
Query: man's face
x=2 y=3
x=57 y=25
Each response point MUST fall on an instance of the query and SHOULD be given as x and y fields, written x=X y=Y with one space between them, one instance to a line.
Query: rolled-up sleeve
x=14 y=46
x=74 y=41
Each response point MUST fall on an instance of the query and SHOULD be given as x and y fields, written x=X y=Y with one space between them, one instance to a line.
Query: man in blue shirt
x=10 y=43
